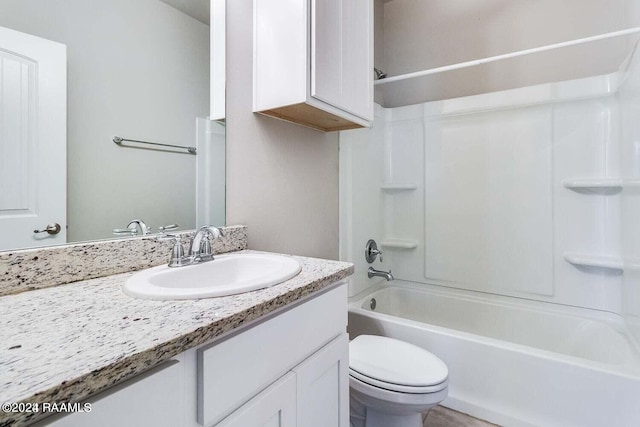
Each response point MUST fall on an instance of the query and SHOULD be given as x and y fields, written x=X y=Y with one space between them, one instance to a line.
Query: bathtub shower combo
x=510 y=222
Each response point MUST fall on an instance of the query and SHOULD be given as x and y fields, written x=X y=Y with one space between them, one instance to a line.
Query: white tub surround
x=514 y=193
x=528 y=197
x=96 y=336
x=526 y=193
x=513 y=362
x=30 y=269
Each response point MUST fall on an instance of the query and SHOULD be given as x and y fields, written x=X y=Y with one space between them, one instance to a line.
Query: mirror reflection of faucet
x=371 y=251
x=139 y=227
x=132 y=228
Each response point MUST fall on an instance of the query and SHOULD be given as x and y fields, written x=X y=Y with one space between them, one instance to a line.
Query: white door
x=33 y=140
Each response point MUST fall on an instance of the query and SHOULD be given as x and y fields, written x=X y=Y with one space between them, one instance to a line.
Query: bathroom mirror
x=76 y=74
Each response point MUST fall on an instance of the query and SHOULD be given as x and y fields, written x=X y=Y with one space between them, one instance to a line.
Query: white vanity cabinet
x=314 y=394
x=322 y=395
x=308 y=341
x=313 y=62
x=287 y=369
x=151 y=399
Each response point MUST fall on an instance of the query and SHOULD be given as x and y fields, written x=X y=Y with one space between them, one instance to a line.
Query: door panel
x=341 y=55
x=323 y=386
x=274 y=407
x=32 y=139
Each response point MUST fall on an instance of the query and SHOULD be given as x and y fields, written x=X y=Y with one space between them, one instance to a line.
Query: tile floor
x=445 y=417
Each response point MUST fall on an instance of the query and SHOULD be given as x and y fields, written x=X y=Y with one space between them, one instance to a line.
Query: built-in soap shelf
x=598 y=261
x=594 y=185
x=399 y=244
x=396 y=187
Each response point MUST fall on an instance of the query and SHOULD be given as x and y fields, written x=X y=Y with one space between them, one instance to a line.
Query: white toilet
x=393 y=382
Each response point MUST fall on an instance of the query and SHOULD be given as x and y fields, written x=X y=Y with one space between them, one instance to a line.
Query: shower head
x=379 y=74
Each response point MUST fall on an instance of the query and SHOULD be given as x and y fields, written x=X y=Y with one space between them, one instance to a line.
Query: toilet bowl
x=391 y=382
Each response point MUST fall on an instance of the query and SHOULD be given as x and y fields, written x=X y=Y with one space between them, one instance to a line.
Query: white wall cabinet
x=289 y=369
x=313 y=62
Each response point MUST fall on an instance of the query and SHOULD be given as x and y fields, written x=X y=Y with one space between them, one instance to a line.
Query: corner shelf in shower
x=394 y=187
x=594 y=185
x=399 y=244
x=598 y=261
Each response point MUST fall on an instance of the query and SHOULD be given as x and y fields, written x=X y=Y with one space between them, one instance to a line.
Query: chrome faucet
x=372 y=272
x=199 y=248
x=371 y=251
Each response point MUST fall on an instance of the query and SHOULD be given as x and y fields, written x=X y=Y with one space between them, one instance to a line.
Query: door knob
x=51 y=229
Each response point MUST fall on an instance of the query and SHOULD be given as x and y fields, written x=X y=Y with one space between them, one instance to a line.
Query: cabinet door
x=323 y=386
x=342 y=55
x=274 y=407
x=229 y=373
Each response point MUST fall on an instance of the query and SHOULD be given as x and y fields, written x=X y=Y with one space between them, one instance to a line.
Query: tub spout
x=372 y=272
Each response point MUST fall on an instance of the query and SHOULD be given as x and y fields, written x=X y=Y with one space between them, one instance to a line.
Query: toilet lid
x=392 y=361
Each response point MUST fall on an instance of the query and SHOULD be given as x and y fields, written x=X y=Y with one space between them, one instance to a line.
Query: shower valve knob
x=371 y=251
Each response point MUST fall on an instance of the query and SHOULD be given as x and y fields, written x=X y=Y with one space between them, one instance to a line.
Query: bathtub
x=513 y=362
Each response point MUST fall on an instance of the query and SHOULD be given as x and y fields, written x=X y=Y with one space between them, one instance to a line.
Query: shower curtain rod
x=507 y=56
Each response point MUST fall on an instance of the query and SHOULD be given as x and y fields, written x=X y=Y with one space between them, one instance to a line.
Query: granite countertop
x=65 y=343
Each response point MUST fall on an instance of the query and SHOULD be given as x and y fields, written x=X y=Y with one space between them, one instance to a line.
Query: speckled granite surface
x=64 y=343
x=31 y=269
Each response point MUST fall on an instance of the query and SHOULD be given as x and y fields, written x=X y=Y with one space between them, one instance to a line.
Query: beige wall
x=378 y=34
x=282 y=179
x=423 y=34
x=631 y=13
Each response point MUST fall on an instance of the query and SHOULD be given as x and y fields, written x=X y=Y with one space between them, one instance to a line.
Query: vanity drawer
x=151 y=398
x=233 y=371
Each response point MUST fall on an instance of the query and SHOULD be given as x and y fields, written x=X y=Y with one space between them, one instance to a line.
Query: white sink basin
x=225 y=275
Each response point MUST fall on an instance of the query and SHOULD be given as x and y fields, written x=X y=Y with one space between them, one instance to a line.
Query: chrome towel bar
x=119 y=140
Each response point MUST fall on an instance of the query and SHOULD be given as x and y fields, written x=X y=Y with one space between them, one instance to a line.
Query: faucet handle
x=168 y=227
x=177 y=258
x=205 y=247
x=371 y=251
x=164 y=237
x=206 y=252
x=125 y=232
